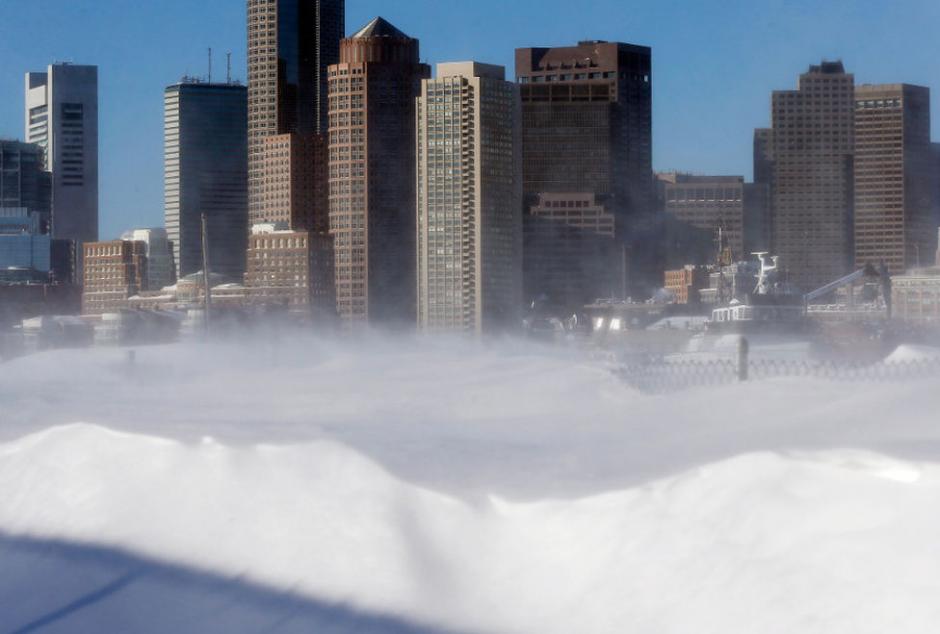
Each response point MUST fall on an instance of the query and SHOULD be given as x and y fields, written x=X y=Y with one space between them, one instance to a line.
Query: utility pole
x=205 y=271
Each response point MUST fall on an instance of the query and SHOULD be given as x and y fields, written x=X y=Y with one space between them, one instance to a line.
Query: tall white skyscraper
x=469 y=200
x=62 y=117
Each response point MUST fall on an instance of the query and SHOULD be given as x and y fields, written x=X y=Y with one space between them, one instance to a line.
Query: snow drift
x=452 y=487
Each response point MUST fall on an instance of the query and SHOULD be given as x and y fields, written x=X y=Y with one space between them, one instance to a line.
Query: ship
x=773 y=306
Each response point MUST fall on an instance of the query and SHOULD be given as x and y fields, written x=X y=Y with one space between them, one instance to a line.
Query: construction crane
x=869 y=271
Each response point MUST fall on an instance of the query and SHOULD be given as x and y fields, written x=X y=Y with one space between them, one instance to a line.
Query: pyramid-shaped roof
x=379 y=27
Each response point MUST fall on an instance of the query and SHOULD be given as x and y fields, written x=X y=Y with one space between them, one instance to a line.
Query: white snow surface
x=444 y=486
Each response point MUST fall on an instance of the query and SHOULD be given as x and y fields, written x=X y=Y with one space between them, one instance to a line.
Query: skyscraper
x=290 y=45
x=813 y=142
x=372 y=173
x=894 y=177
x=62 y=117
x=205 y=172
x=469 y=200
x=587 y=130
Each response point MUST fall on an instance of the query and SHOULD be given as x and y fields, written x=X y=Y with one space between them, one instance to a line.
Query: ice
x=443 y=485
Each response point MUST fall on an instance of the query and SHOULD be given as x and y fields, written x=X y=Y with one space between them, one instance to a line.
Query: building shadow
x=50 y=587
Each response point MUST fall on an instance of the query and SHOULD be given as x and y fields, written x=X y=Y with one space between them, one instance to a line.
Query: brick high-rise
x=290 y=45
x=894 y=177
x=372 y=173
x=587 y=130
x=813 y=142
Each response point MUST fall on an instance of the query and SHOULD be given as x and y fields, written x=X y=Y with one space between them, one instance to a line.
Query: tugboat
x=773 y=307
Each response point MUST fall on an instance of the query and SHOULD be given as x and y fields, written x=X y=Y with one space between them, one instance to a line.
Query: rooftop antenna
x=205 y=273
x=210 y=65
x=228 y=68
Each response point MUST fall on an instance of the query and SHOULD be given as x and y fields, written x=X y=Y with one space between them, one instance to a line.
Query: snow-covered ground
x=421 y=486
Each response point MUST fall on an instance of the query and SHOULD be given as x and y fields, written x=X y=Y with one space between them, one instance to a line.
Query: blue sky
x=715 y=63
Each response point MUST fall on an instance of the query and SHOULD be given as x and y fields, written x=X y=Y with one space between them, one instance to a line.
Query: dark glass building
x=290 y=45
x=24 y=182
x=587 y=131
x=206 y=163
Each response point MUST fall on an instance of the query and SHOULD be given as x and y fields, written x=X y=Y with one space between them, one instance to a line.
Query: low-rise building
x=685 y=283
x=161 y=268
x=290 y=269
x=915 y=296
x=113 y=272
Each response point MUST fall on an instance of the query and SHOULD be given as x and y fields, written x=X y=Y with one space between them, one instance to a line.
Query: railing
x=664 y=376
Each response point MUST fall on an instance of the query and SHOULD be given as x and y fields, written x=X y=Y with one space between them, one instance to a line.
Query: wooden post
x=744 y=349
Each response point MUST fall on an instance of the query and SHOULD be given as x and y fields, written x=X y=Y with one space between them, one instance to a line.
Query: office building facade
x=294 y=181
x=62 y=118
x=24 y=182
x=372 y=174
x=205 y=172
x=113 y=271
x=469 y=192
x=587 y=129
x=25 y=251
x=712 y=203
x=813 y=145
x=571 y=256
x=895 y=177
x=291 y=43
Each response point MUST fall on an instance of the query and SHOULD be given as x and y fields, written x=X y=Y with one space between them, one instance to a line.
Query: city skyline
x=691 y=56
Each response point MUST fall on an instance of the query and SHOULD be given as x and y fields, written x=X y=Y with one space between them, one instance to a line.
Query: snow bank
x=473 y=489
x=908 y=353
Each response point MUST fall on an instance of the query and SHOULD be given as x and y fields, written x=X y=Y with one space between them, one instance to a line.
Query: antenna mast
x=205 y=271
x=228 y=68
x=210 y=65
